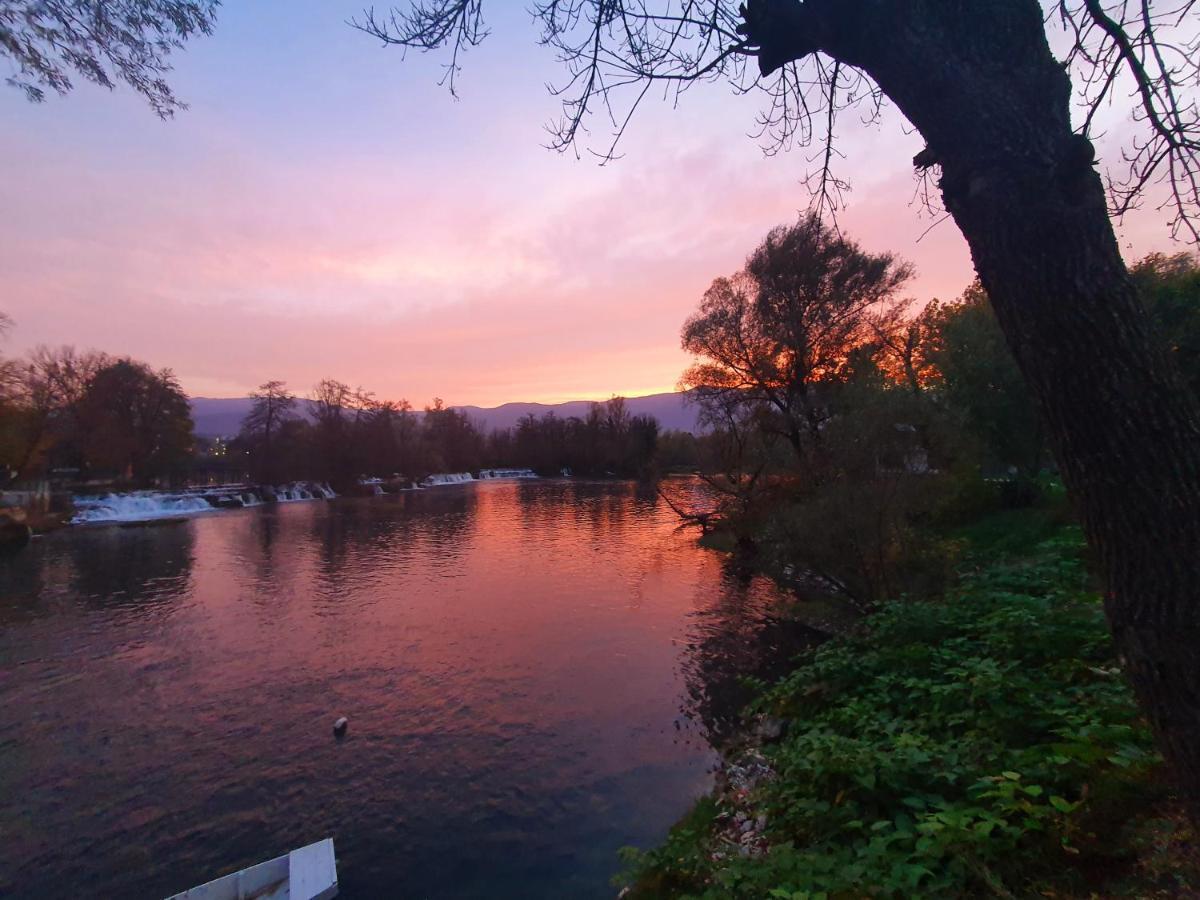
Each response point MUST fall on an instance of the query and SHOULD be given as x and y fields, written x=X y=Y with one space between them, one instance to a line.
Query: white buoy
x=339 y=727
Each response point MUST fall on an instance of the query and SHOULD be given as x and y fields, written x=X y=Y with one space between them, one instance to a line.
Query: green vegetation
x=982 y=743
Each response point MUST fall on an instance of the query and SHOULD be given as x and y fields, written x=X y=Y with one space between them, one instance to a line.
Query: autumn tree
x=776 y=333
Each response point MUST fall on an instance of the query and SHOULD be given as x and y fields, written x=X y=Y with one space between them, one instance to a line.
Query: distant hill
x=222 y=416
x=219 y=417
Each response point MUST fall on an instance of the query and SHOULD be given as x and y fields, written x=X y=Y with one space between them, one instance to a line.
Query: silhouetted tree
x=979 y=82
x=273 y=406
x=388 y=438
x=102 y=41
x=772 y=334
x=47 y=391
x=453 y=443
x=331 y=431
x=137 y=423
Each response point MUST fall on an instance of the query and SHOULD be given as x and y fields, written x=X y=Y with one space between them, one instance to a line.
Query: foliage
x=137 y=423
x=789 y=321
x=608 y=441
x=104 y=41
x=1170 y=288
x=987 y=744
x=979 y=384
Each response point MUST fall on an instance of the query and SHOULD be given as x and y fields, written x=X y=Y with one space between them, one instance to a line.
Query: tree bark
x=978 y=80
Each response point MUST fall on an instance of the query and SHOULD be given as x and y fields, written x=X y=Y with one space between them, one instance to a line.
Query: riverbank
x=980 y=744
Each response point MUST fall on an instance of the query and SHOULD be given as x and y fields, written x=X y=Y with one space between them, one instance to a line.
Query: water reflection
x=513 y=658
x=746 y=630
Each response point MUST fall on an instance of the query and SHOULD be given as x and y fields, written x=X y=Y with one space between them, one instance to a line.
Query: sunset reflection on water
x=526 y=668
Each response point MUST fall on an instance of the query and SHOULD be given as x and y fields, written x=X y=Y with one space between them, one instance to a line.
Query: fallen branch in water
x=708 y=521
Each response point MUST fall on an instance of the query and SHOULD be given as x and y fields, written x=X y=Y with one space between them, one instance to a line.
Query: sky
x=325 y=209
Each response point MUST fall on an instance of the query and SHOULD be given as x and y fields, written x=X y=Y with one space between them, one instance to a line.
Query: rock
x=339 y=727
x=769 y=729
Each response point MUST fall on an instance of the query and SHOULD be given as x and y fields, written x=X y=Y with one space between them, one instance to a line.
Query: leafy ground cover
x=983 y=743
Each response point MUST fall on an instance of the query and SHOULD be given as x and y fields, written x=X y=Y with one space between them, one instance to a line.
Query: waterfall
x=448 y=478
x=140 y=506
x=490 y=474
x=137 y=506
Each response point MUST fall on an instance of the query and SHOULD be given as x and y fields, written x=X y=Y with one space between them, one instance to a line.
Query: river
x=531 y=672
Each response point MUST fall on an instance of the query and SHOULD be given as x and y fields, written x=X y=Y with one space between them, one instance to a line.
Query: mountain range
x=222 y=416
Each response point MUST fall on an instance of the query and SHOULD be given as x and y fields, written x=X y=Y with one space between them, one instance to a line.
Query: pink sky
x=324 y=209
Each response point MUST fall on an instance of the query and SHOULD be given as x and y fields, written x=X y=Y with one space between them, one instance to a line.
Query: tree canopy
x=789 y=321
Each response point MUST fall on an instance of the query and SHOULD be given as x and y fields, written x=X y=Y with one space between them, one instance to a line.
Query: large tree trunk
x=979 y=82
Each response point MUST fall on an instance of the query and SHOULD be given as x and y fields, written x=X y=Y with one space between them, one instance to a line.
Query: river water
x=531 y=673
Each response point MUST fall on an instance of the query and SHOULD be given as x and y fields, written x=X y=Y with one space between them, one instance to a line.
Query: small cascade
x=447 y=478
x=491 y=474
x=303 y=490
x=372 y=486
x=142 y=506
x=138 y=506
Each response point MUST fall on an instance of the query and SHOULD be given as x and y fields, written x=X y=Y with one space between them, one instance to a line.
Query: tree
x=327 y=407
x=978 y=81
x=138 y=422
x=774 y=333
x=453 y=443
x=1170 y=287
x=273 y=406
x=103 y=41
x=10 y=416
x=46 y=392
x=387 y=437
x=979 y=382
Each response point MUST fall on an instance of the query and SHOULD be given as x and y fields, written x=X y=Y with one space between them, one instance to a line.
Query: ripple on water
x=513 y=658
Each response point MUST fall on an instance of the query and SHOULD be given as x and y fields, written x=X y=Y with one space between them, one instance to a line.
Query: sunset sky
x=324 y=208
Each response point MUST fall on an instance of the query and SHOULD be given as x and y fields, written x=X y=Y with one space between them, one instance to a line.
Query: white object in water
x=339 y=727
x=309 y=873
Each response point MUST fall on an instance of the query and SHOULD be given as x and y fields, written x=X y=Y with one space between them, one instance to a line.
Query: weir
x=142 y=506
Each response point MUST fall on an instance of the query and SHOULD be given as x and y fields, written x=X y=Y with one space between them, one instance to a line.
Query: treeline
x=88 y=415
x=841 y=422
x=339 y=434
